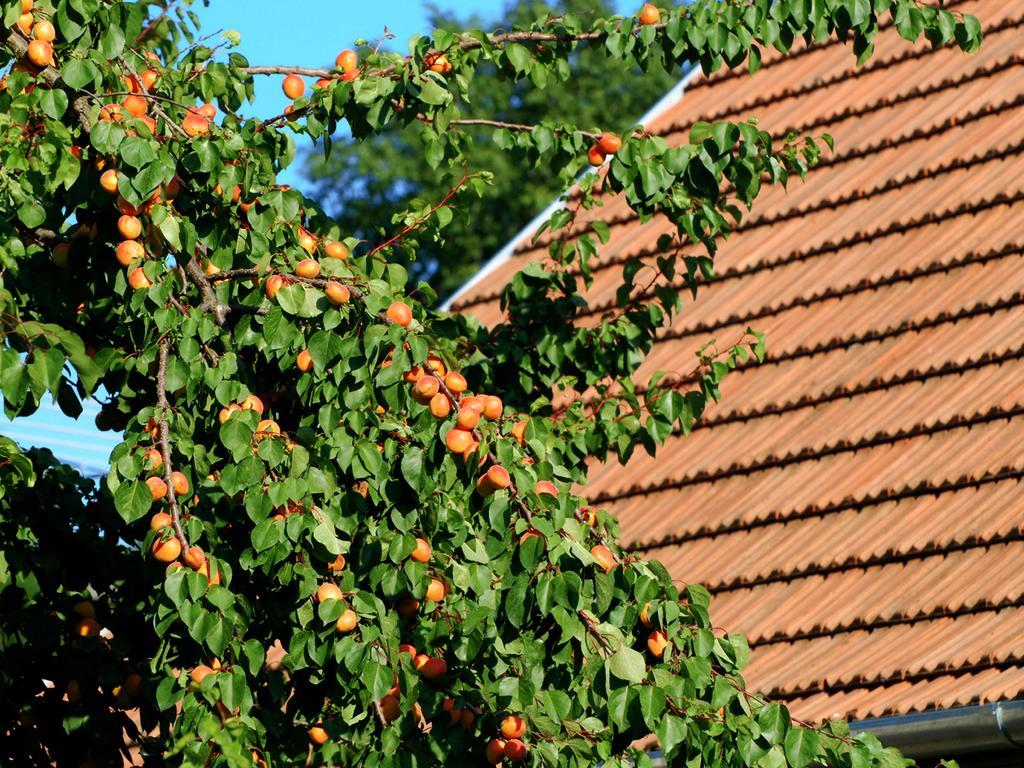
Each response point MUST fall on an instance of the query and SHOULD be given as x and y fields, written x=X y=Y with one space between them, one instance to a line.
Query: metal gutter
x=997 y=727
x=663 y=104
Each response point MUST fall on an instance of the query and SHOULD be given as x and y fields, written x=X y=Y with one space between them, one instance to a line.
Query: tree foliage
x=363 y=184
x=314 y=545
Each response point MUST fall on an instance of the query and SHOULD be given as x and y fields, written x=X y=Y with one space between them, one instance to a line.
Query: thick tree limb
x=210 y=301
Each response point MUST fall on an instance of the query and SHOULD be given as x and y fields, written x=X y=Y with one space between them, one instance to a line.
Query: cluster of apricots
x=41 y=34
x=607 y=144
x=347 y=62
x=510 y=745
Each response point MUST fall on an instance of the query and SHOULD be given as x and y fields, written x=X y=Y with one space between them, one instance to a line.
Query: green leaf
x=627 y=664
x=801 y=747
x=133 y=500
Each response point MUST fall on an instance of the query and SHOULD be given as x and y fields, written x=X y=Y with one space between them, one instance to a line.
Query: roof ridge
x=875 y=65
x=924 y=488
x=734 y=72
x=813 y=454
x=941 y=670
x=861 y=624
x=855 y=563
x=876 y=384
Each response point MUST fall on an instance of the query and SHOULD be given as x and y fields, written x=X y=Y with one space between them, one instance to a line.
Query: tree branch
x=18 y=45
x=210 y=301
x=165 y=438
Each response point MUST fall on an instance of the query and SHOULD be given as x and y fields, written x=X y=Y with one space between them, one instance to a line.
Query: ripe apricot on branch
x=347 y=60
x=40 y=53
x=304 y=361
x=157 y=487
x=604 y=557
x=399 y=313
x=328 y=591
x=336 y=250
x=347 y=621
x=649 y=14
x=337 y=293
x=656 y=643
x=609 y=143
x=494 y=479
x=436 y=590
x=595 y=156
x=166 y=550
x=422 y=552
x=515 y=751
x=458 y=440
x=495 y=751
x=513 y=727
x=293 y=87
x=318 y=735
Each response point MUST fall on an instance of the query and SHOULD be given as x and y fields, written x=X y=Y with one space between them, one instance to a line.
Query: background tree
x=362 y=185
x=314 y=544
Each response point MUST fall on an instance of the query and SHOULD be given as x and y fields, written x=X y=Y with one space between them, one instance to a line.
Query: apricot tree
x=341 y=527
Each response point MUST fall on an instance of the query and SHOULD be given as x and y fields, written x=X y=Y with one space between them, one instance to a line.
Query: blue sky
x=309 y=34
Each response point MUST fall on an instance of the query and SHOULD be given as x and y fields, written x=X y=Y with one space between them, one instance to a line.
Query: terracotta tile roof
x=855 y=502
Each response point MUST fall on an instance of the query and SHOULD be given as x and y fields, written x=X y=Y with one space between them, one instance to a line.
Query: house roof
x=854 y=503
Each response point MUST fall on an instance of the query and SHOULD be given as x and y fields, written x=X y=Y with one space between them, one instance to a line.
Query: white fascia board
x=663 y=104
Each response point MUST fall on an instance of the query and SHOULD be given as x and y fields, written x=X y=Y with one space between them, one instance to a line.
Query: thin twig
x=151 y=25
x=165 y=438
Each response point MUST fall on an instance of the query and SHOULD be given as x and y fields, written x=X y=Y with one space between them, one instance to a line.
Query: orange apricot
x=137 y=279
x=609 y=143
x=604 y=556
x=399 y=313
x=160 y=520
x=180 y=483
x=595 y=156
x=455 y=382
x=337 y=293
x=336 y=250
x=495 y=752
x=513 y=727
x=129 y=227
x=436 y=590
x=657 y=641
x=493 y=407
x=304 y=361
x=458 y=440
x=649 y=14
x=422 y=552
x=129 y=251
x=166 y=550
x=40 y=53
x=317 y=735
x=307 y=268
x=440 y=406
x=108 y=180
x=157 y=488
x=347 y=60
x=347 y=621
x=328 y=591
x=293 y=87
